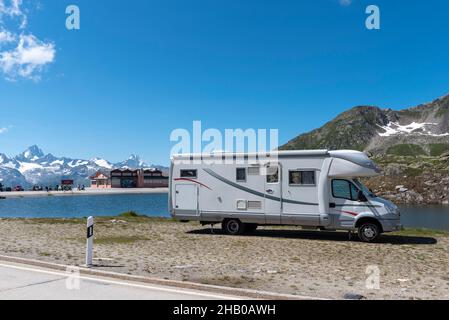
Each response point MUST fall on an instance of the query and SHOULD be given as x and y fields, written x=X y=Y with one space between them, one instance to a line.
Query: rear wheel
x=233 y=226
x=369 y=232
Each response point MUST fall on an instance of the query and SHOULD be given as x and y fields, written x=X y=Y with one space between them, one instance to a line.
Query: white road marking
x=135 y=285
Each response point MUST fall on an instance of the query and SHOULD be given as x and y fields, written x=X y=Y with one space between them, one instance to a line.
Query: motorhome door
x=345 y=206
x=186 y=199
x=273 y=205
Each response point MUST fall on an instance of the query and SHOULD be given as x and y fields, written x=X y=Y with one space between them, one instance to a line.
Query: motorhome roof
x=268 y=154
x=357 y=157
x=288 y=153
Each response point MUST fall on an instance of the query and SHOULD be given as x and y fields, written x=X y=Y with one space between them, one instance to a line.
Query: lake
x=155 y=205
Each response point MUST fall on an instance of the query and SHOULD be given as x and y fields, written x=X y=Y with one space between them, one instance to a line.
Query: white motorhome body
x=318 y=189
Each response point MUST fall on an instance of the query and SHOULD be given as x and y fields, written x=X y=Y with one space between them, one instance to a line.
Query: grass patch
x=442 y=112
x=130 y=214
x=406 y=150
x=119 y=240
x=413 y=172
x=437 y=149
x=411 y=113
x=421 y=233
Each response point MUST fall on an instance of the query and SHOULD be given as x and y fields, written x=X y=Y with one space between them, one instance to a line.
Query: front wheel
x=369 y=232
x=233 y=227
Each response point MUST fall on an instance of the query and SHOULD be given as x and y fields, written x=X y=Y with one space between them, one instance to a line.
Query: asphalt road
x=20 y=282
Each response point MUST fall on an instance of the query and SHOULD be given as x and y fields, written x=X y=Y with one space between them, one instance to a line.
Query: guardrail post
x=90 y=242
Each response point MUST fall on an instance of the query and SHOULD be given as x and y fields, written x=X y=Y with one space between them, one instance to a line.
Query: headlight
x=393 y=209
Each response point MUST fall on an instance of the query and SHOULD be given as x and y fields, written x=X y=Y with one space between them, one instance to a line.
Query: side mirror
x=361 y=197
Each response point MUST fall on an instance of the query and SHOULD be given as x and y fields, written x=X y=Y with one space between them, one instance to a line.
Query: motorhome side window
x=344 y=189
x=241 y=174
x=272 y=174
x=192 y=174
x=299 y=177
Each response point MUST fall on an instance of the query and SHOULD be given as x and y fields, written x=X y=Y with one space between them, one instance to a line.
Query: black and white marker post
x=90 y=241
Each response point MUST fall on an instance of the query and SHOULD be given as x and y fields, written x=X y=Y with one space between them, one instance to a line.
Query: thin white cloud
x=22 y=54
x=12 y=9
x=345 y=2
x=6 y=37
x=3 y=130
x=28 y=59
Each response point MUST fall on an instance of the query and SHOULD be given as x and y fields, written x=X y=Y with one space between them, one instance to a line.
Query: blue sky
x=139 y=69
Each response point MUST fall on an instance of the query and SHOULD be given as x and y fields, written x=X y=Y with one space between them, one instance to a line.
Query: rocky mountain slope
x=34 y=167
x=421 y=130
x=411 y=146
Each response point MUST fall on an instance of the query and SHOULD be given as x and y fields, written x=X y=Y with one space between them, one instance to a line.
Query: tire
x=369 y=232
x=233 y=227
x=250 y=227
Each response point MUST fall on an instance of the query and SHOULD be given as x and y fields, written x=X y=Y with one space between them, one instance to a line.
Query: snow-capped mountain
x=12 y=177
x=132 y=162
x=34 y=167
x=33 y=153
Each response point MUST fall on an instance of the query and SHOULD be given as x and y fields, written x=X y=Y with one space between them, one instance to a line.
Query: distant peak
x=3 y=158
x=33 y=152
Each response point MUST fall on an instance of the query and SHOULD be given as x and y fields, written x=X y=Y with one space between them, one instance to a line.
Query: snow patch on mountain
x=103 y=163
x=28 y=166
x=425 y=128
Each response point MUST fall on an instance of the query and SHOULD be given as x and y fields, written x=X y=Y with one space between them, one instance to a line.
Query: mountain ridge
x=378 y=131
x=34 y=167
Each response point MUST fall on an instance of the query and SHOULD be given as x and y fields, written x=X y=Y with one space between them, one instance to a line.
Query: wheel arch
x=365 y=219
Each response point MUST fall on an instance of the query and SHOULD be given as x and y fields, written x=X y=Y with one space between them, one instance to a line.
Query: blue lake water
x=156 y=205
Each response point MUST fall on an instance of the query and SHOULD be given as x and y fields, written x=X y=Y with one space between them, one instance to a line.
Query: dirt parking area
x=412 y=264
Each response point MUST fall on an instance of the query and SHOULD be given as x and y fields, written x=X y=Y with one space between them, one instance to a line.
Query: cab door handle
x=332 y=205
x=270 y=191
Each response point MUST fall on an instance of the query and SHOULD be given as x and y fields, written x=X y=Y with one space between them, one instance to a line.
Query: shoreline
x=87 y=192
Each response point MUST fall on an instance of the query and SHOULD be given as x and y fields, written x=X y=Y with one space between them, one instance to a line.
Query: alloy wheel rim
x=369 y=232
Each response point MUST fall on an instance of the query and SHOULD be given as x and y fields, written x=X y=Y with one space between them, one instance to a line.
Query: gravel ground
x=412 y=264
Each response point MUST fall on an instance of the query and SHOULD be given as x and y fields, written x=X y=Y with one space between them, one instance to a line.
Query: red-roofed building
x=100 y=181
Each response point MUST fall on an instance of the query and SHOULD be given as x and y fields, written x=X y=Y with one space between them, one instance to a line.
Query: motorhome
x=313 y=189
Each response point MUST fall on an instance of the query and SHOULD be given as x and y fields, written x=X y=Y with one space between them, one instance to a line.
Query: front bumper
x=391 y=225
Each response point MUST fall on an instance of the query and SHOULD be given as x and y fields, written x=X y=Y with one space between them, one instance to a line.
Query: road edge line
x=244 y=293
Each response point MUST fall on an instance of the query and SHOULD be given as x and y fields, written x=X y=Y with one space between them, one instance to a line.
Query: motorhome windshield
x=364 y=189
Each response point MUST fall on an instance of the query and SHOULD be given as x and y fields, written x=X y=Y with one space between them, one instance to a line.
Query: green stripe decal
x=254 y=192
